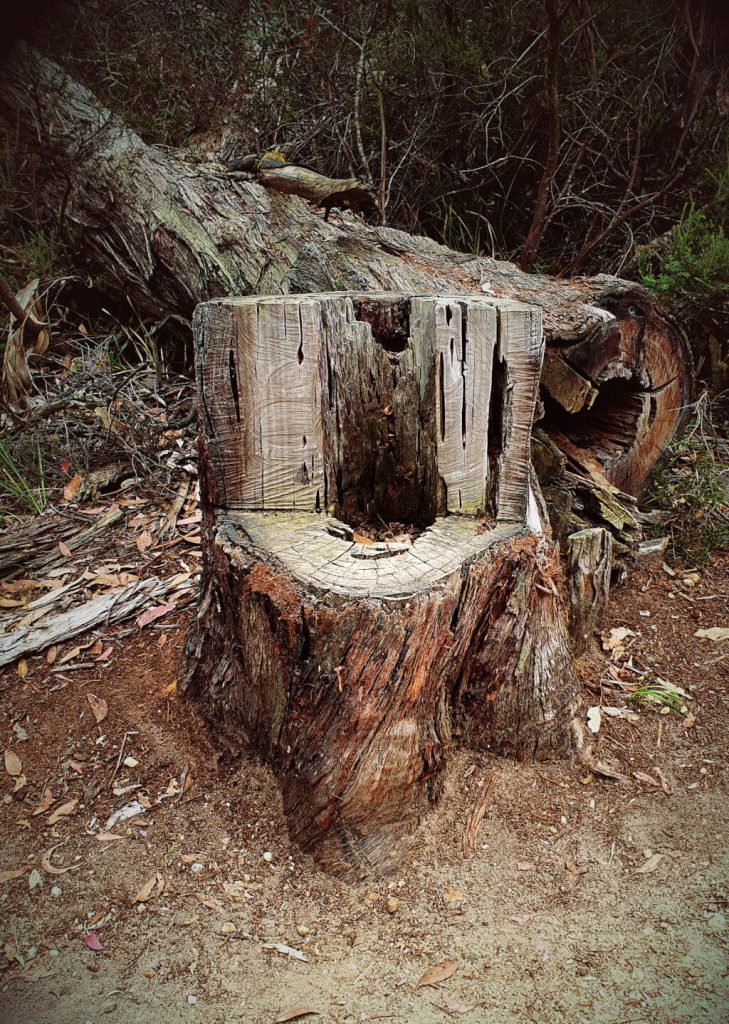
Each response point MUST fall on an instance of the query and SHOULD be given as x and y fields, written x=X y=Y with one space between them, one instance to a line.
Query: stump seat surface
x=306 y=544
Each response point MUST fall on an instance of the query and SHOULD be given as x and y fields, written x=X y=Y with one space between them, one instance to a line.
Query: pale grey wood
x=384 y=570
x=105 y=610
x=521 y=350
x=305 y=409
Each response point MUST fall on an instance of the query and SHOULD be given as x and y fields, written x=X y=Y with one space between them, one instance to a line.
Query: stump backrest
x=386 y=406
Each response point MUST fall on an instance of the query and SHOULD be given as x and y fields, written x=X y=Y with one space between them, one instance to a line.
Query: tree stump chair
x=376 y=575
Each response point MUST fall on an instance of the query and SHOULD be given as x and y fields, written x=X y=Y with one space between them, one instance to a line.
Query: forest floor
x=587 y=899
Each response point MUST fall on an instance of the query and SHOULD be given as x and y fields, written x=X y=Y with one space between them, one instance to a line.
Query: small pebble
x=302 y=930
x=53 y=952
x=192 y=1000
x=716 y=923
x=130 y=762
x=228 y=928
x=268 y=856
x=197 y=868
x=393 y=904
x=56 y=891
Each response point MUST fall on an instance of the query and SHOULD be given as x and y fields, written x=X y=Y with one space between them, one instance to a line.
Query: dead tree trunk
x=617 y=377
x=376 y=576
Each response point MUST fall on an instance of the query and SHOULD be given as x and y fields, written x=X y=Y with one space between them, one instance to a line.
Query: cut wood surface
x=617 y=382
x=349 y=620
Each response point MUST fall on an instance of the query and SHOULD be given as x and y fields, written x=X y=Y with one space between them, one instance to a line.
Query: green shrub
x=688 y=268
x=690 y=489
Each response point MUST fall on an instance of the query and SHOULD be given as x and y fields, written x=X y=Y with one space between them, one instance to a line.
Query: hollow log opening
x=609 y=427
x=613 y=401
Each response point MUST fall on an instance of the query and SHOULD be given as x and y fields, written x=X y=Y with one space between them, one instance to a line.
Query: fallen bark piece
x=106 y=610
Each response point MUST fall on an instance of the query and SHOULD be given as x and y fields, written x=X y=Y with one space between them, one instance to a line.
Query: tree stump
x=377 y=579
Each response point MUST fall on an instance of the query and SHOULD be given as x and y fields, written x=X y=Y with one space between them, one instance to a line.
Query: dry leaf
x=594 y=719
x=105 y=655
x=626 y=713
x=19 y=783
x=648 y=779
x=62 y=812
x=45 y=801
x=92 y=941
x=8 y=876
x=22 y=668
x=13 y=764
x=438 y=973
x=452 y=1006
x=51 y=654
x=108 y=837
x=573 y=867
x=154 y=613
x=524 y=865
x=605 y=770
x=521 y=918
x=295 y=1014
x=71 y=489
x=359 y=538
x=64 y=549
x=69 y=655
x=153 y=887
x=99 y=707
x=289 y=951
x=47 y=865
x=665 y=784
x=211 y=903
x=651 y=864
x=144 y=541
x=453 y=896
x=689 y=721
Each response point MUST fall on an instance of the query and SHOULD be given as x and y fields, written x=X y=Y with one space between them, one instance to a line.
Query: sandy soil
x=549 y=920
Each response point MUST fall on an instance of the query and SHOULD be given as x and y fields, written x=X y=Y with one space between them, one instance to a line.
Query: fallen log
x=377 y=579
x=169 y=232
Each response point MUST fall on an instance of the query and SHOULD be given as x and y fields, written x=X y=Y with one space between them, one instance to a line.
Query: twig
x=474 y=822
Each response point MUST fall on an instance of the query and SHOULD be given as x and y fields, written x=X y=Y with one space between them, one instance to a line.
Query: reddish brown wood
x=356 y=703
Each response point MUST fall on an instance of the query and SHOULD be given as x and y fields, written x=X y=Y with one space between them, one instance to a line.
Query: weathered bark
x=171 y=233
x=351 y=663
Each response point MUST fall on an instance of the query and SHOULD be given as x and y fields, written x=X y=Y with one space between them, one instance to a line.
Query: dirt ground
x=587 y=899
